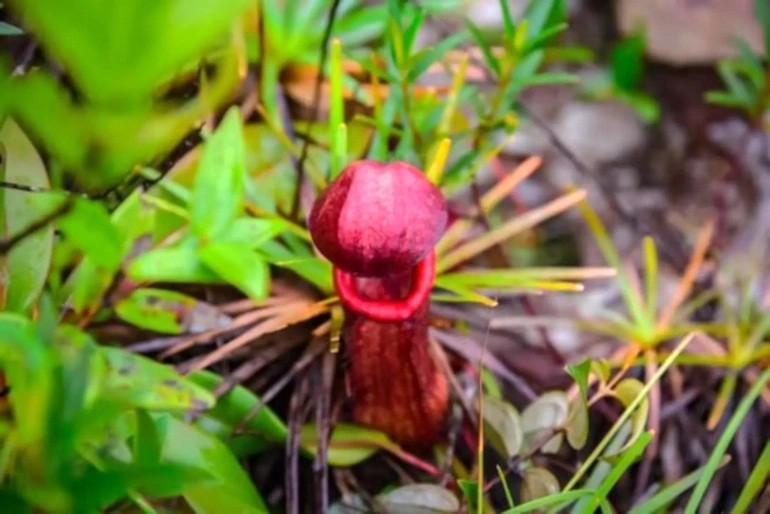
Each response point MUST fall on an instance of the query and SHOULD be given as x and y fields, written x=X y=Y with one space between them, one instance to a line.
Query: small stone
x=691 y=31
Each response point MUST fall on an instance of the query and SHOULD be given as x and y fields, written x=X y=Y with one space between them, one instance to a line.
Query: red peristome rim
x=388 y=310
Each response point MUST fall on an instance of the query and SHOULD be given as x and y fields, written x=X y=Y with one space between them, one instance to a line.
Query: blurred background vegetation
x=170 y=339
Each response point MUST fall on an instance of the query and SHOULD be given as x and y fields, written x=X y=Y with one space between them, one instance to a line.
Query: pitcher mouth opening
x=423 y=276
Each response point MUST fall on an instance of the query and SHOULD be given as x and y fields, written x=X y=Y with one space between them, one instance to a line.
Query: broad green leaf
x=176 y=264
x=140 y=382
x=537 y=483
x=545 y=415
x=218 y=193
x=119 y=53
x=626 y=391
x=349 y=444
x=24 y=270
x=89 y=282
x=419 y=499
x=502 y=427
x=252 y=232
x=229 y=488
x=262 y=430
x=156 y=309
x=239 y=265
x=89 y=228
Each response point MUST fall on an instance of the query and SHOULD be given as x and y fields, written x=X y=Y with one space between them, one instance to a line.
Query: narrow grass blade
x=755 y=482
x=625 y=461
x=452 y=98
x=435 y=169
x=724 y=441
x=337 y=132
x=650 y=278
x=560 y=499
x=610 y=253
x=668 y=494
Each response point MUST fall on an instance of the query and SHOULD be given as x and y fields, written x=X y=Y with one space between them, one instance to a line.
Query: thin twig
x=323 y=427
x=21 y=187
x=297 y=415
x=639 y=225
x=316 y=107
x=6 y=245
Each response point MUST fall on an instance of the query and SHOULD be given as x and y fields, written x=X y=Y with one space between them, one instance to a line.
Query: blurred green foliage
x=88 y=134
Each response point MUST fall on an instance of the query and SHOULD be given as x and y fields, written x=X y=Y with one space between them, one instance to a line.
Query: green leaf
x=627 y=391
x=177 y=264
x=580 y=373
x=502 y=427
x=119 y=54
x=24 y=270
x=627 y=458
x=253 y=232
x=419 y=499
x=156 y=309
x=537 y=483
x=420 y=62
x=139 y=382
x=509 y=27
x=486 y=50
x=147 y=445
x=239 y=265
x=735 y=83
x=218 y=193
x=545 y=415
x=726 y=99
x=577 y=423
x=544 y=38
x=349 y=444
x=543 y=14
x=627 y=62
x=315 y=270
x=228 y=490
x=470 y=490
x=89 y=228
x=232 y=407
